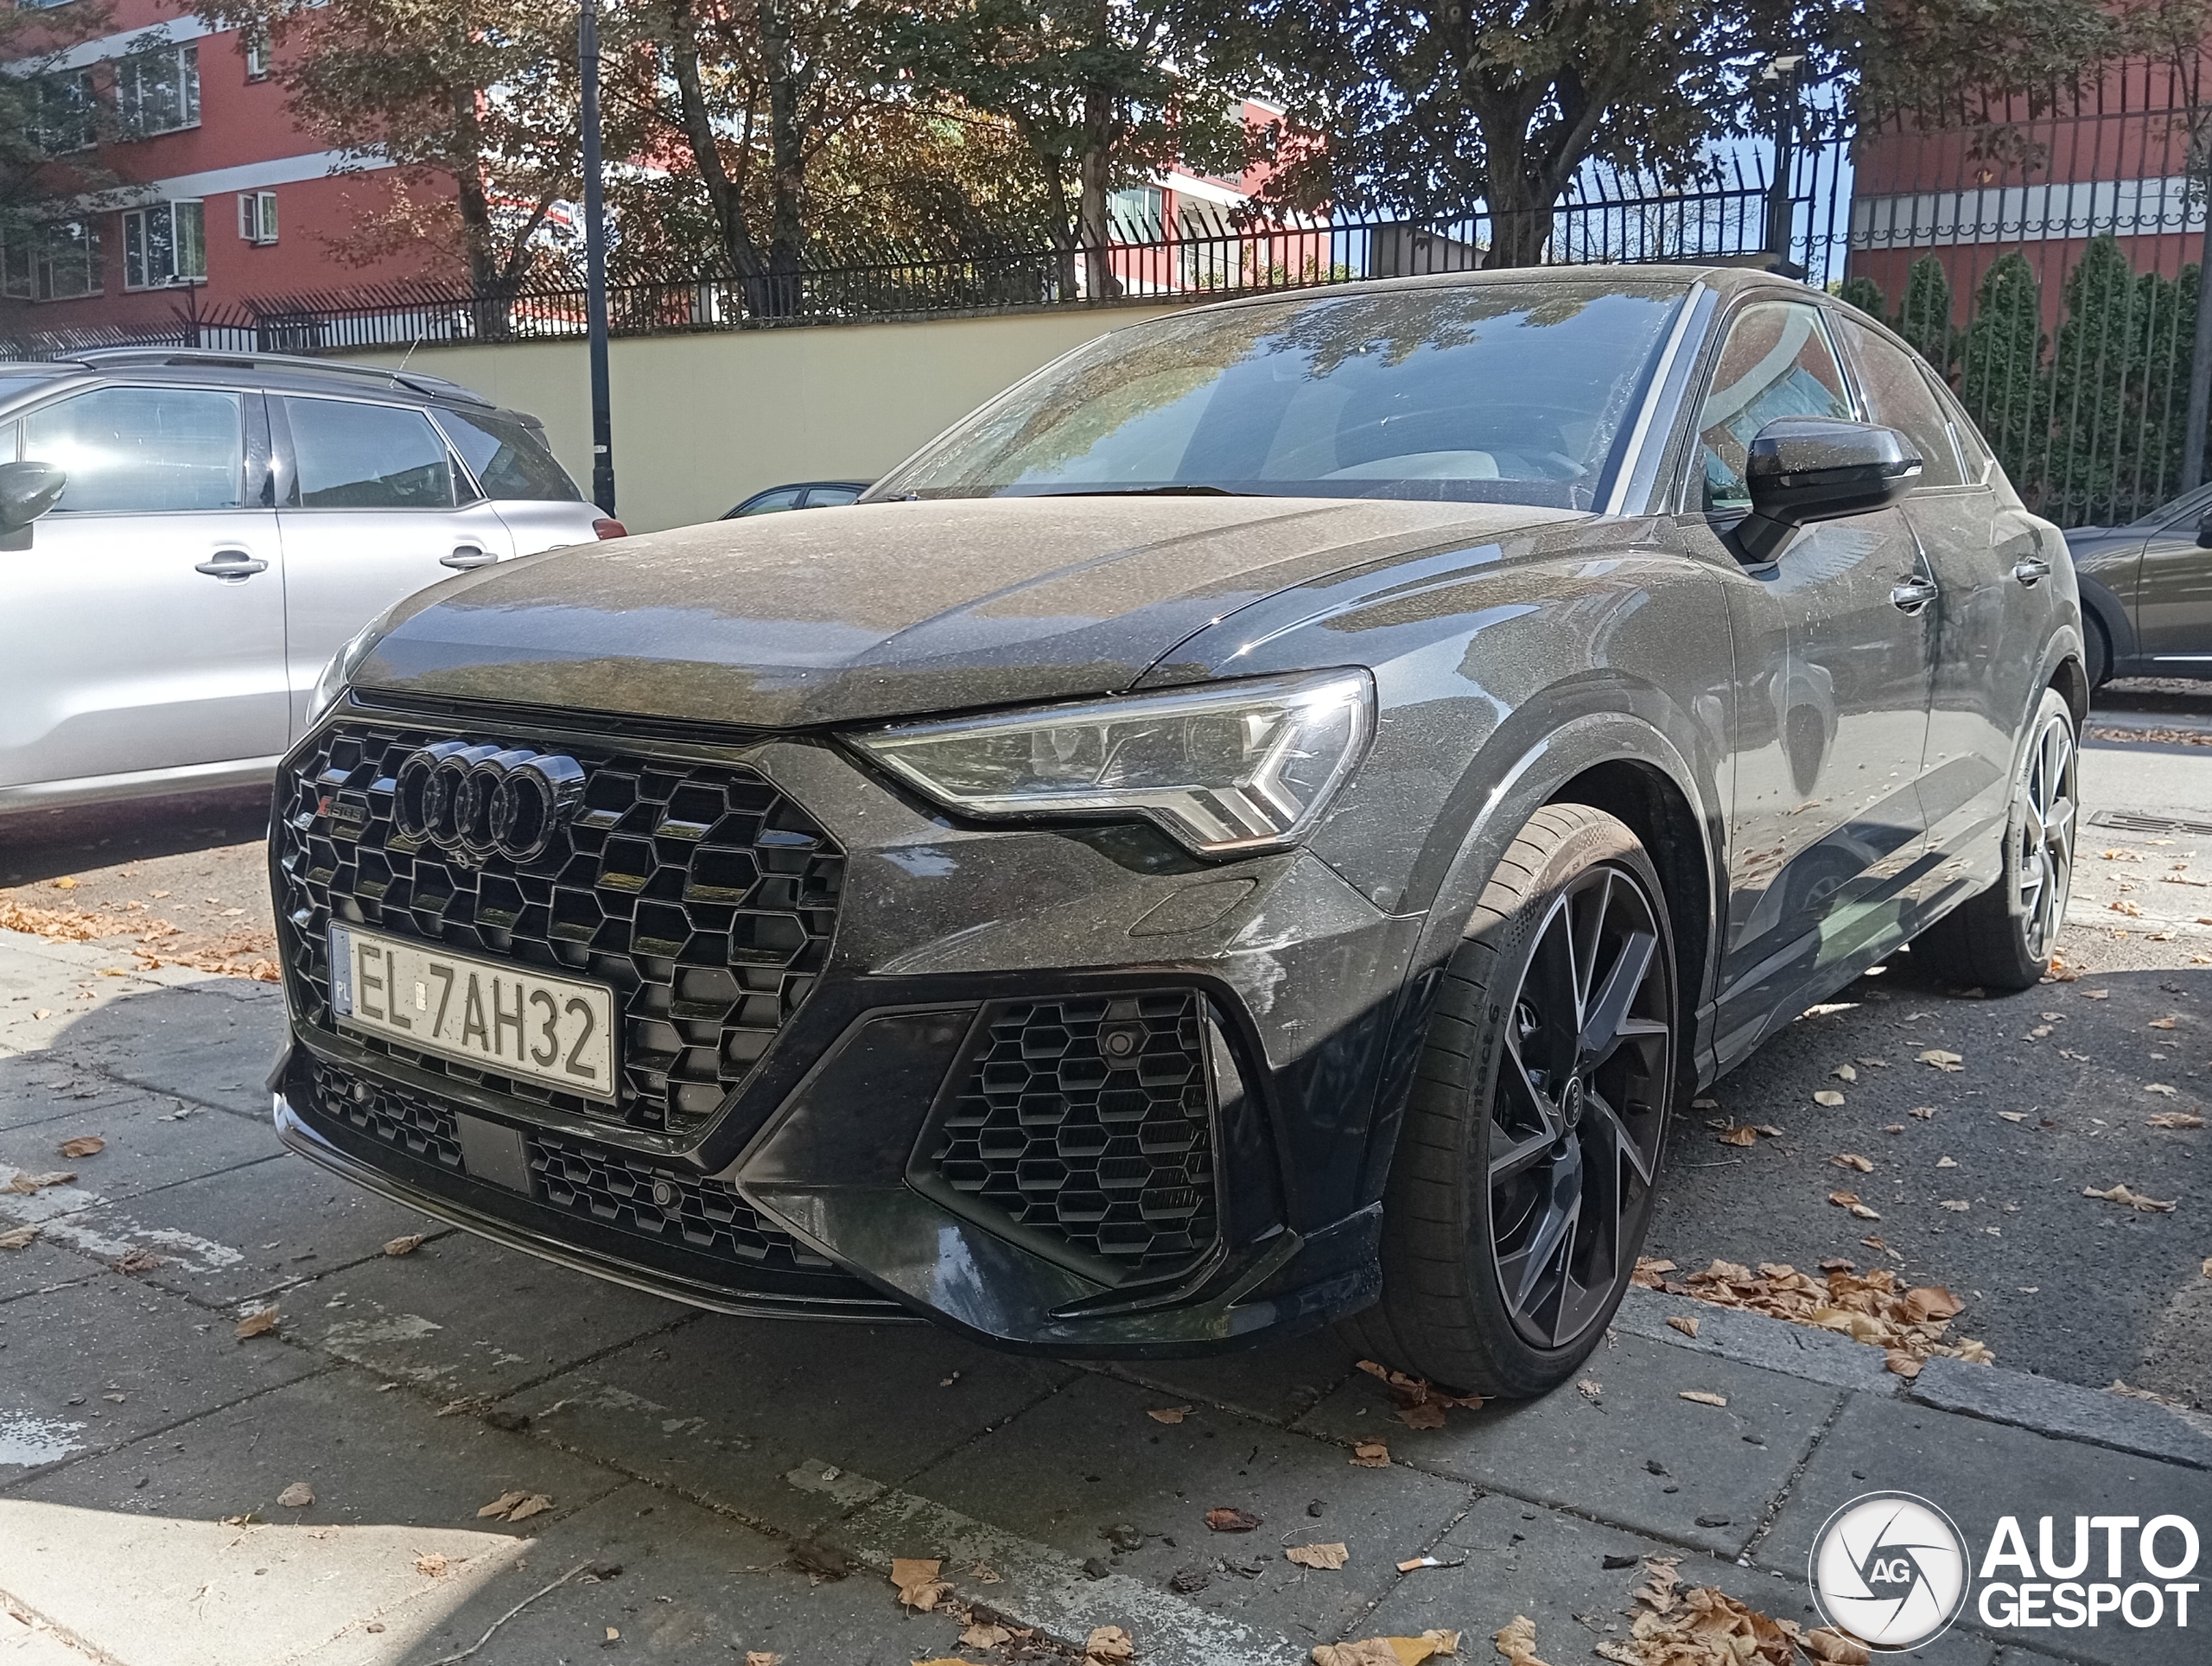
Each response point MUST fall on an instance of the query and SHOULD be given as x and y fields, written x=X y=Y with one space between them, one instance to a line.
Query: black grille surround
x=698 y=1225
x=1087 y=1124
x=703 y=896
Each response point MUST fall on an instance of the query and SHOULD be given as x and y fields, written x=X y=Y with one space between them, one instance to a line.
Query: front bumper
x=843 y=1177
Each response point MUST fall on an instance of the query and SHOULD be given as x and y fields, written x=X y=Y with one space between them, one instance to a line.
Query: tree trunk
x=488 y=293
x=1520 y=221
x=787 y=154
x=744 y=255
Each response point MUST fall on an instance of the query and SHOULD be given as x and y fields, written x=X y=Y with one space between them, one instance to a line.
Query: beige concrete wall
x=702 y=421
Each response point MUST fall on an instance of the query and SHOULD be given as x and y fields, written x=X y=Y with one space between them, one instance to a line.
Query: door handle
x=2029 y=569
x=1913 y=595
x=466 y=556
x=231 y=566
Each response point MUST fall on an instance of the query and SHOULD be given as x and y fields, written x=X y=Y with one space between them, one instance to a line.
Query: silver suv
x=226 y=522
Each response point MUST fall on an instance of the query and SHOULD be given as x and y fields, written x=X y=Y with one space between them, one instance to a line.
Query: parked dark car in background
x=2146 y=592
x=1264 y=824
x=225 y=522
x=800 y=494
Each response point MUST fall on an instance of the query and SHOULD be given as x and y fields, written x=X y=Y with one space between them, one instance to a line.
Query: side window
x=508 y=458
x=831 y=497
x=349 y=455
x=769 y=503
x=144 y=451
x=1776 y=361
x=1898 y=395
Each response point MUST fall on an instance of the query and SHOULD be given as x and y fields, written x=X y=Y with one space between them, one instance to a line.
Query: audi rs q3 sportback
x=1262 y=824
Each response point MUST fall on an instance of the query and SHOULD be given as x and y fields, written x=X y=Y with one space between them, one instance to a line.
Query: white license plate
x=512 y=1019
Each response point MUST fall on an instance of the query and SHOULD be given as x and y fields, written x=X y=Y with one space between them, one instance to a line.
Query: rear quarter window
x=509 y=459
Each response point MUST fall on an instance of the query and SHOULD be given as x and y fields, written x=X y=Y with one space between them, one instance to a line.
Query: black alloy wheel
x=1575 y=1121
x=1524 y=1175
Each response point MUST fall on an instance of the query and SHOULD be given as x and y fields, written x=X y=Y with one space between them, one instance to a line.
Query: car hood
x=881 y=610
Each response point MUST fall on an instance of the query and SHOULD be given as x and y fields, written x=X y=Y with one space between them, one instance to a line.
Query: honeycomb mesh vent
x=704 y=897
x=1089 y=1120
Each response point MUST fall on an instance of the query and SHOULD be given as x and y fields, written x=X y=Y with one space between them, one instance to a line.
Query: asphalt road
x=2081 y=1289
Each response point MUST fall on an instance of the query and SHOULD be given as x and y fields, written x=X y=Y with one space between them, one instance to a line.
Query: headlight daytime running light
x=1226 y=768
x=340 y=671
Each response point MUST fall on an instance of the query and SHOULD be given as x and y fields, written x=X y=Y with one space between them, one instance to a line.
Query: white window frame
x=187 y=235
x=253 y=45
x=258 y=217
x=46 y=241
x=85 y=114
x=132 y=99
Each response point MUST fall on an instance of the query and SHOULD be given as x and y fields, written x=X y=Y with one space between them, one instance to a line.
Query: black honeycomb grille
x=704 y=1216
x=1090 y=1120
x=704 y=897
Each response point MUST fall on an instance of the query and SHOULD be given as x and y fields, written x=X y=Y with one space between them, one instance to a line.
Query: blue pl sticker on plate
x=341 y=971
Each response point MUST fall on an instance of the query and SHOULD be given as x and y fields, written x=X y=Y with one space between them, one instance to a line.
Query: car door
x=372 y=508
x=1834 y=652
x=2173 y=593
x=143 y=627
x=1989 y=610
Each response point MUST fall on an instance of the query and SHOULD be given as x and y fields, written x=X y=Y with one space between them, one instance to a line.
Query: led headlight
x=1228 y=767
x=340 y=671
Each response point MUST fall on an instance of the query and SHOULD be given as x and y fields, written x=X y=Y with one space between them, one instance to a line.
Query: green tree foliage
x=2001 y=374
x=1923 y=316
x=2107 y=421
x=1863 y=293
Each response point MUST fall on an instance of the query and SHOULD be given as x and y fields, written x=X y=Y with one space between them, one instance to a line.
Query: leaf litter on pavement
x=1388 y=1651
x=1422 y=1405
x=1910 y=1324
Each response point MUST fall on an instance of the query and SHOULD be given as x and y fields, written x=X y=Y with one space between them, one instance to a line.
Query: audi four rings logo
x=474 y=800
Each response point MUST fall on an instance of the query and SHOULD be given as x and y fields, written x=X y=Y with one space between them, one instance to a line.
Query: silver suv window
x=508 y=458
x=144 y=451
x=351 y=456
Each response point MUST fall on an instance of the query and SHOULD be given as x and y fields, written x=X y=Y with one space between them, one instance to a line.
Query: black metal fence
x=1725 y=212
x=2047 y=264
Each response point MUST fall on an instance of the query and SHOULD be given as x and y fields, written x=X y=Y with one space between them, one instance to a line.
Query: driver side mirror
x=27 y=491
x=1812 y=469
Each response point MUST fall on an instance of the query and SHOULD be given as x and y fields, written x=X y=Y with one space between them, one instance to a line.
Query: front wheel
x=2003 y=939
x=1524 y=1175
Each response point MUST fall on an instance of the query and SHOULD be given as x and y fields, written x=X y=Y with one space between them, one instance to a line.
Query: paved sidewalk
x=144 y=1447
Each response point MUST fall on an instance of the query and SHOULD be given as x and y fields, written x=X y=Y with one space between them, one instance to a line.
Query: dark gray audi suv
x=1262 y=824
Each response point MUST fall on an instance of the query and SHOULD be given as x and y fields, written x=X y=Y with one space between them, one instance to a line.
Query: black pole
x=2200 y=361
x=1780 y=209
x=602 y=420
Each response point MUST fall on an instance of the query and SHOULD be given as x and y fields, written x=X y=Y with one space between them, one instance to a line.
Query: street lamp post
x=603 y=420
x=1781 y=211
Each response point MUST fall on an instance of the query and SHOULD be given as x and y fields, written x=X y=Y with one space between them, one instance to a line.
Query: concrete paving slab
x=1278 y=1384
x=1977 y=1472
x=2050 y=1407
x=723 y=1407
x=1524 y=1559
x=1755 y=1339
x=26 y=1641
x=465 y=1317
x=694 y=1585
x=1725 y=1465
x=38 y=1087
x=99 y=1363
x=43 y=1264
x=289 y=1221
x=148 y=1145
x=1089 y=1474
x=210 y=1045
x=177 y=1587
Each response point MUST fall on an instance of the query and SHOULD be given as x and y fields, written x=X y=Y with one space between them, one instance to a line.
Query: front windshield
x=1491 y=392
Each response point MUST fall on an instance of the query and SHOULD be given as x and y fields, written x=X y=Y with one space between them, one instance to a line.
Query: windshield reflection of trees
x=1446 y=394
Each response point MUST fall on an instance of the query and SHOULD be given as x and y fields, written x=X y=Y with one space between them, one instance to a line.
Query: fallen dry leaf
x=88 y=1145
x=2124 y=906
x=1874 y=1308
x=1831 y=1648
x=1711 y=1630
x=1588 y=1390
x=2168 y=1023
x=2014 y=1116
x=258 y=1324
x=516 y=1506
x=1318 y=1555
x=1516 y=1641
x=1168 y=1414
x=1927 y=1302
x=1926 y=1113
x=1844 y=1073
x=1683 y=1323
x=1851 y=1200
x=1657 y=1591
x=18 y=1238
x=1828 y=1096
x=1108 y=1643
x=1703 y=1397
x=298 y=1496
x=1370 y=1454
x=1417 y=1390
x=1946 y=1162
x=765 y=1657
x=1739 y=1133
x=2207 y=1268
x=1426 y=1415
x=1649 y=1273
x=1903 y=1363
x=1942 y=1060
x=2120 y=1194
x=917 y=1585
x=1388 y=1651
x=536 y=1504
x=429 y=1562
x=1227 y=1518
x=2177 y=1119
x=2162 y=1088
x=2096 y=994
x=982 y=1634
x=135 y=1260
x=1852 y=1159
x=406 y=1245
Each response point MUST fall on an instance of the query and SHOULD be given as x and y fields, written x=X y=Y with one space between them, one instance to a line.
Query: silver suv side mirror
x=27 y=491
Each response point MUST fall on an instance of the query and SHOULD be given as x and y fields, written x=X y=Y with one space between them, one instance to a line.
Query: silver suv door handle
x=2029 y=569
x=466 y=556
x=231 y=566
x=1913 y=595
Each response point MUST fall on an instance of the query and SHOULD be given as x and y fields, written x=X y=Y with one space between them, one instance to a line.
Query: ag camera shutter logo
x=1890 y=1569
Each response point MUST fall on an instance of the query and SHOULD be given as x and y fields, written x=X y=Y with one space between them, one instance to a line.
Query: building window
x=164 y=244
x=62 y=112
x=53 y=262
x=1135 y=211
x=158 y=91
x=255 y=45
x=258 y=216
